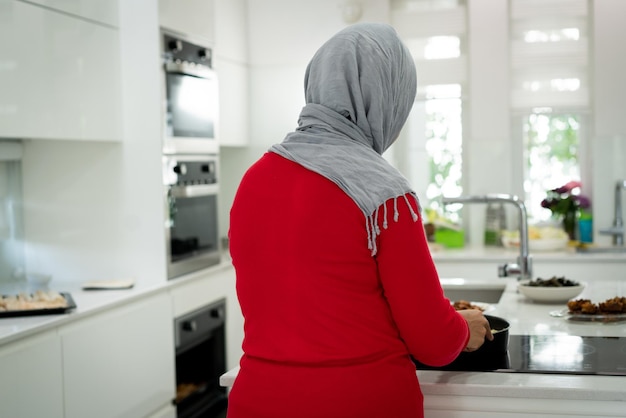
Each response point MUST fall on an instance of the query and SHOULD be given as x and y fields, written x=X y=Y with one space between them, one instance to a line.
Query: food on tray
x=41 y=299
x=553 y=281
x=616 y=305
x=461 y=305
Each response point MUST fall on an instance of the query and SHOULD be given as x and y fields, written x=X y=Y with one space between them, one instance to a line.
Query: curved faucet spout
x=617 y=230
x=523 y=268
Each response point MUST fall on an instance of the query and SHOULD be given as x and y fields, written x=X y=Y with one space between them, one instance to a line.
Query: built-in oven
x=190 y=96
x=200 y=361
x=191 y=191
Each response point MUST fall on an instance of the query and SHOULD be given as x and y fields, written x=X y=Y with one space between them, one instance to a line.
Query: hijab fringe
x=371 y=221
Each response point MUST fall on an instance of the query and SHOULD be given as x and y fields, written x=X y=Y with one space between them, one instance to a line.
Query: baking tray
x=46 y=311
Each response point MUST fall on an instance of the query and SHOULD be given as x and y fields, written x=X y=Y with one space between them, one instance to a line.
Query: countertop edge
x=512 y=385
x=92 y=302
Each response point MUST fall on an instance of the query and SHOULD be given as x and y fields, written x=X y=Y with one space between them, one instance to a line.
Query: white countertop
x=88 y=302
x=528 y=317
x=498 y=254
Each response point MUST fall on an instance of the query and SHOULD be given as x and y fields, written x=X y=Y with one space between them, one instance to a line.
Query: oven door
x=192 y=228
x=191 y=109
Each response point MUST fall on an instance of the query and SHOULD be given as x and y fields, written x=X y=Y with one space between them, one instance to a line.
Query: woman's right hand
x=479 y=328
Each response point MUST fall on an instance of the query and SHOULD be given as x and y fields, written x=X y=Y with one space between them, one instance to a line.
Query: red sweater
x=329 y=328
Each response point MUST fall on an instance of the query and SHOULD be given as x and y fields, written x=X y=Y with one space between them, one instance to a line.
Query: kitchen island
x=515 y=394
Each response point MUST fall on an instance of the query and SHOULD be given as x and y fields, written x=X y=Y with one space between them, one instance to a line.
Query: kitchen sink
x=462 y=289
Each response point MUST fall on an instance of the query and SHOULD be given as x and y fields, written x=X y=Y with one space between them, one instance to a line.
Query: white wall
x=284 y=34
x=95 y=210
x=609 y=141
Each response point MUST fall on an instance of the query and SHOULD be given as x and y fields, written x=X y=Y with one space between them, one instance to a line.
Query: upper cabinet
x=193 y=18
x=103 y=11
x=231 y=64
x=60 y=71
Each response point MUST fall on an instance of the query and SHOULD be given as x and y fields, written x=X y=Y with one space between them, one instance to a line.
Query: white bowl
x=550 y=294
x=547 y=244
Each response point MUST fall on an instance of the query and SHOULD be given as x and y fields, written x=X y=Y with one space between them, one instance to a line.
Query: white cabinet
x=120 y=363
x=193 y=18
x=60 y=75
x=31 y=381
x=233 y=102
x=103 y=11
x=462 y=406
x=231 y=64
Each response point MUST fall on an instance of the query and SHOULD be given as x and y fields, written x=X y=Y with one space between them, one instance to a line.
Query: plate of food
x=461 y=305
x=609 y=311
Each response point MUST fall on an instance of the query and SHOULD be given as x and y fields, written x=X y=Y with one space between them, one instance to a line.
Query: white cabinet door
x=103 y=11
x=231 y=64
x=60 y=76
x=31 y=381
x=234 y=114
x=120 y=363
x=193 y=18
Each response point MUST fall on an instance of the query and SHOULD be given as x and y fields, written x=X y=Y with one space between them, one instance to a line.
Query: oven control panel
x=200 y=323
x=177 y=49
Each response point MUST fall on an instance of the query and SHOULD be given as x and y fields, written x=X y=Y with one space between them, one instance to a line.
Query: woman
x=334 y=275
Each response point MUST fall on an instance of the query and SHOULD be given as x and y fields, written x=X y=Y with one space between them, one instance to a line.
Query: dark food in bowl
x=553 y=281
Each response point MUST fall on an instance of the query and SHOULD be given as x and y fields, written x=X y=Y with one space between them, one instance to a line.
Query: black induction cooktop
x=561 y=354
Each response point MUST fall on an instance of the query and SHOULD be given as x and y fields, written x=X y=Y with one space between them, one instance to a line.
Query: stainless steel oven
x=200 y=361
x=191 y=191
x=190 y=105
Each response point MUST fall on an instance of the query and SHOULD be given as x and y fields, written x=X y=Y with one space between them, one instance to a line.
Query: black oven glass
x=200 y=361
x=193 y=229
x=191 y=111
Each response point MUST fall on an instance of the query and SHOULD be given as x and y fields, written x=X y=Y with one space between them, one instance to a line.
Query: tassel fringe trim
x=371 y=223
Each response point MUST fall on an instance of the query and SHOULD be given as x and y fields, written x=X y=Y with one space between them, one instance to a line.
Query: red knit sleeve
x=431 y=328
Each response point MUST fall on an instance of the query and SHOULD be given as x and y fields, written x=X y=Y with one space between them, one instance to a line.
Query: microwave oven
x=190 y=96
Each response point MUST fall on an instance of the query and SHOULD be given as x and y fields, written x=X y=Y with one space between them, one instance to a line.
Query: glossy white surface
x=193 y=18
x=61 y=79
x=31 y=370
x=103 y=11
x=122 y=351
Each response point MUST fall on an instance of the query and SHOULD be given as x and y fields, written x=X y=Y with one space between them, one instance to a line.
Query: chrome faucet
x=523 y=267
x=617 y=230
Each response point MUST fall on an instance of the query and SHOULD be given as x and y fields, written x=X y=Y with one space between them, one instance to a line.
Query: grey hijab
x=359 y=88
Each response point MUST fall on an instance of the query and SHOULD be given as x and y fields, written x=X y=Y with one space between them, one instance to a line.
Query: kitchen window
x=430 y=154
x=549 y=62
